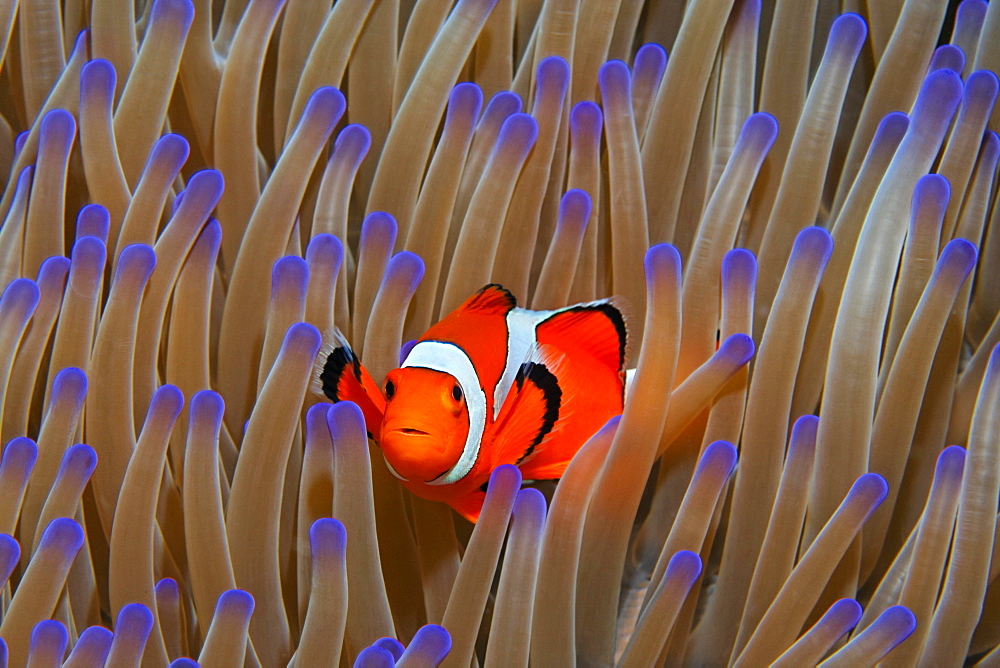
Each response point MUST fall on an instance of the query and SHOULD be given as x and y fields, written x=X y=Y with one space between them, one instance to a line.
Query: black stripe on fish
x=333 y=370
x=539 y=375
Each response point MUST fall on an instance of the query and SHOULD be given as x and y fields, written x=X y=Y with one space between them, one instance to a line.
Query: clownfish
x=490 y=384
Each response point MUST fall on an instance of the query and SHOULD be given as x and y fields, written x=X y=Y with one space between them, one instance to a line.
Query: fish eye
x=390 y=389
x=456 y=393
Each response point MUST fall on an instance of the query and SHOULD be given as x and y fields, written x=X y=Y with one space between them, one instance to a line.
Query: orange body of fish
x=488 y=385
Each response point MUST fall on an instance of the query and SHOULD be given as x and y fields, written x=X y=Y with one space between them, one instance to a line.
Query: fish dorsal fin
x=493 y=299
x=339 y=376
x=531 y=409
x=596 y=328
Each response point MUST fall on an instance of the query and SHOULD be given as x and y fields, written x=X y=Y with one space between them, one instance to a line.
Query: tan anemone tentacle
x=133 y=531
x=511 y=626
x=253 y=514
x=323 y=628
x=368 y=617
x=226 y=639
x=109 y=420
x=468 y=597
x=23 y=373
x=617 y=494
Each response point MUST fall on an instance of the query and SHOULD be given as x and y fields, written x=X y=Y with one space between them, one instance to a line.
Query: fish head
x=425 y=425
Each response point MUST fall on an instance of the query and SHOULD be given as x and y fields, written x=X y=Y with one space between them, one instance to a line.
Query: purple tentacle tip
x=80 y=457
x=947 y=57
x=586 y=117
x=181 y=11
x=19 y=299
x=685 y=564
x=345 y=418
x=575 y=204
x=236 y=600
x=167 y=587
x=325 y=248
x=961 y=254
x=650 y=60
x=662 y=257
x=805 y=428
x=10 y=554
x=815 y=243
x=739 y=348
x=93 y=645
x=759 y=131
x=871 y=487
x=739 y=262
x=391 y=645
x=506 y=474
x=378 y=223
x=432 y=642
x=134 y=619
x=553 y=71
x=136 y=262
x=375 y=657
x=48 y=637
x=844 y=613
x=98 y=77
x=168 y=400
x=316 y=417
x=530 y=503
x=20 y=454
x=94 y=221
x=60 y=126
x=206 y=184
x=466 y=99
x=207 y=402
x=849 y=30
x=615 y=81
x=951 y=462
x=184 y=662
x=326 y=105
x=63 y=534
x=327 y=538
x=720 y=455
x=502 y=105
x=290 y=270
x=519 y=132
x=355 y=139
x=894 y=626
x=303 y=336
x=409 y=265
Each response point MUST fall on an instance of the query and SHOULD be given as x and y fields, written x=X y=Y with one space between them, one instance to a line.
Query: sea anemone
x=196 y=192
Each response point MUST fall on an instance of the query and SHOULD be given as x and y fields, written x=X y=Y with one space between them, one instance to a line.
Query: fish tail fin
x=339 y=376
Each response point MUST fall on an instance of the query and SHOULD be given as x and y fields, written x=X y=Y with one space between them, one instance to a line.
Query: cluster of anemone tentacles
x=190 y=202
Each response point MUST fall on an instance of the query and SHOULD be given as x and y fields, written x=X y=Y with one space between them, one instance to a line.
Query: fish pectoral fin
x=469 y=505
x=339 y=376
x=596 y=329
x=530 y=411
x=549 y=471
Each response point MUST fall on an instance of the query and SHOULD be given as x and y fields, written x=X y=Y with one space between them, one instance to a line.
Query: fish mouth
x=413 y=449
x=408 y=427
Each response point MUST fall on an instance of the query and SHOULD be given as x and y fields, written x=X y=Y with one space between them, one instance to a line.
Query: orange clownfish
x=488 y=385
